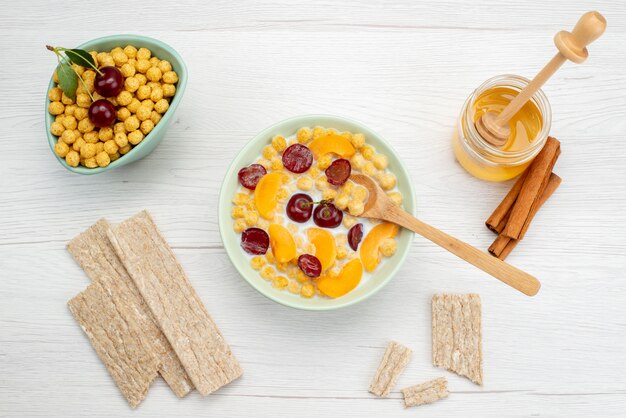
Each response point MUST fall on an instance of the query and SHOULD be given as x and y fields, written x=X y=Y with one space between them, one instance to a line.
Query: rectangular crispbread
x=457 y=342
x=178 y=310
x=426 y=392
x=394 y=361
x=118 y=341
x=94 y=253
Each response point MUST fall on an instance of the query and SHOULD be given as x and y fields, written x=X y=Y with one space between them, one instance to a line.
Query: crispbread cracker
x=94 y=253
x=178 y=310
x=118 y=341
x=394 y=361
x=457 y=342
x=426 y=392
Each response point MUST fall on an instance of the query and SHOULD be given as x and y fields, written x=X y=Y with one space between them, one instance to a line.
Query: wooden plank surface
x=403 y=68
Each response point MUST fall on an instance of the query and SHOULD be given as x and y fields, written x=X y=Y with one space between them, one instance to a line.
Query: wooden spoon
x=493 y=127
x=379 y=206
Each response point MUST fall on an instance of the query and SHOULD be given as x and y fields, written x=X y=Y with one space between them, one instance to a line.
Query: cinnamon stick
x=532 y=189
x=503 y=245
x=502 y=211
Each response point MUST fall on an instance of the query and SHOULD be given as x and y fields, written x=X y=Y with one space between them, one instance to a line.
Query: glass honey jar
x=529 y=130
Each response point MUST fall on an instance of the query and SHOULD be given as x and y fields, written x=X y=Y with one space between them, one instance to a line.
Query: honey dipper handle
x=497 y=268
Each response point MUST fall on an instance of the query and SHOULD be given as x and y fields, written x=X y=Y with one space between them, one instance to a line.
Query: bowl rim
x=180 y=90
x=256 y=284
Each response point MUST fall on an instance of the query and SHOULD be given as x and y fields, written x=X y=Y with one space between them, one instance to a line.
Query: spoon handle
x=502 y=271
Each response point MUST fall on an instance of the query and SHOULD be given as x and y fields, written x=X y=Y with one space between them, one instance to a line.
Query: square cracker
x=394 y=361
x=94 y=253
x=457 y=343
x=426 y=392
x=119 y=342
x=176 y=306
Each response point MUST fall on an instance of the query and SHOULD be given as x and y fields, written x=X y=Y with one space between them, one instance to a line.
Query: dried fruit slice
x=310 y=265
x=325 y=248
x=370 y=253
x=250 y=176
x=338 y=172
x=282 y=243
x=265 y=194
x=297 y=158
x=255 y=241
x=355 y=235
x=332 y=143
x=348 y=278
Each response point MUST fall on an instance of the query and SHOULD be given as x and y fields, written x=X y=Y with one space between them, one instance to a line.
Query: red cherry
x=110 y=82
x=338 y=172
x=255 y=241
x=310 y=265
x=297 y=158
x=355 y=235
x=326 y=215
x=300 y=207
x=249 y=176
x=102 y=113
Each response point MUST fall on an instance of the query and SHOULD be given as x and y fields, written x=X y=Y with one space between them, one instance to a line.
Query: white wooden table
x=403 y=68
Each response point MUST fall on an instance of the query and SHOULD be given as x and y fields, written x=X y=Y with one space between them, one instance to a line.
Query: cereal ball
x=347 y=187
x=321 y=183
x=251 y=218
x=59 y=118
x=169 y=90
x=131 y=84
x=153 y=74
x=131 y=124
x=257 y=262
x=324 y=161
x=146 y=126
x=119 y=127
x=134 y=105
x=56 y=108
x=55 y=77
x=55 y=94
x=91 y=137
x=281 y=195
x=72 y=159
x=115 y=156
x=268 y=272
x=70 y=122
x=142 y=79
x=99 y=147
x=276 y=163
x=80 y=113
x=143 y=113
x=358 y=140
x=279 y=143
x=280 y=282
x=142 y=65
x=314 y=172
x=86 y=125
x=135 y=137
x=116 y=49
x=164 y=66
x=143 y=92
x=128 y=70
x=124 y=98
x=240 y=198
x=342 y=252
x=70 y=109
x=269 y=152
x=108 y=62
x=120 y=58
x=61 y=149
x=143 y=54
x=156 y=94
x=318 y=132
x=148 y=103
x=303 y=135
x=78 y=144
x=170 y=77
x=308 y=290
x=368 y=152
x=57 y=128
x=380 y=161
x=349 y=221
x=88 y=150
x=161 y=106
x=90 y=162
x=130 y=51
x=342 y=201
x=125 y=149
x=66 y=100
x=154 y=61
x=328 y=194
x=155 y=117
x=103 y=159
x=305 y=183
x=395 y=197
x=369 y=168
x=356 y=208
x=122 y=114
x=89 y=75
x=388 y=247
x=387 y=181
x=111 y=147
x=90 y=85
x=293 y=287
x=68 y=136
x=105 y=134
x=360 y=193
x=121 y=139
x=238 y=212
x=83 y=100
x=101 y=57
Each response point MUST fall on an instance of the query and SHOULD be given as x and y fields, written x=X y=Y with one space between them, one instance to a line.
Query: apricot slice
x=282 y=243
x=265 y=194
x=332 y=143
x=348 y=278
x=325 y=248
x=370 y=248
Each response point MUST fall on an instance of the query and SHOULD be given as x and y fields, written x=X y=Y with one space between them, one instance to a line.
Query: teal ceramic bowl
x=382 y=275
x=154 y=138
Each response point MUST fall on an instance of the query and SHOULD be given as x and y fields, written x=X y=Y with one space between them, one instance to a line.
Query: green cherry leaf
x=81 y=57
x=68 y=80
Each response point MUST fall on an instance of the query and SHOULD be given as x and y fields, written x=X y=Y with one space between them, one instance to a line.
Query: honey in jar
x=529 y=130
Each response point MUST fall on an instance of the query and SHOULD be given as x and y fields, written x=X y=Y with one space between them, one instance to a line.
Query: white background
x=404 y=69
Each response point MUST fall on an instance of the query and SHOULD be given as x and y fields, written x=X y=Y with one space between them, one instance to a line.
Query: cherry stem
x=323 y=202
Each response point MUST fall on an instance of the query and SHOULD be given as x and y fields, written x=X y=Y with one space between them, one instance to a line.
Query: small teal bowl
x=154 y=138
x=231 y=240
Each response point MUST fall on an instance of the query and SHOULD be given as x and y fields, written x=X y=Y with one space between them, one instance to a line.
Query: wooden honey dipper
x=494 y=127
